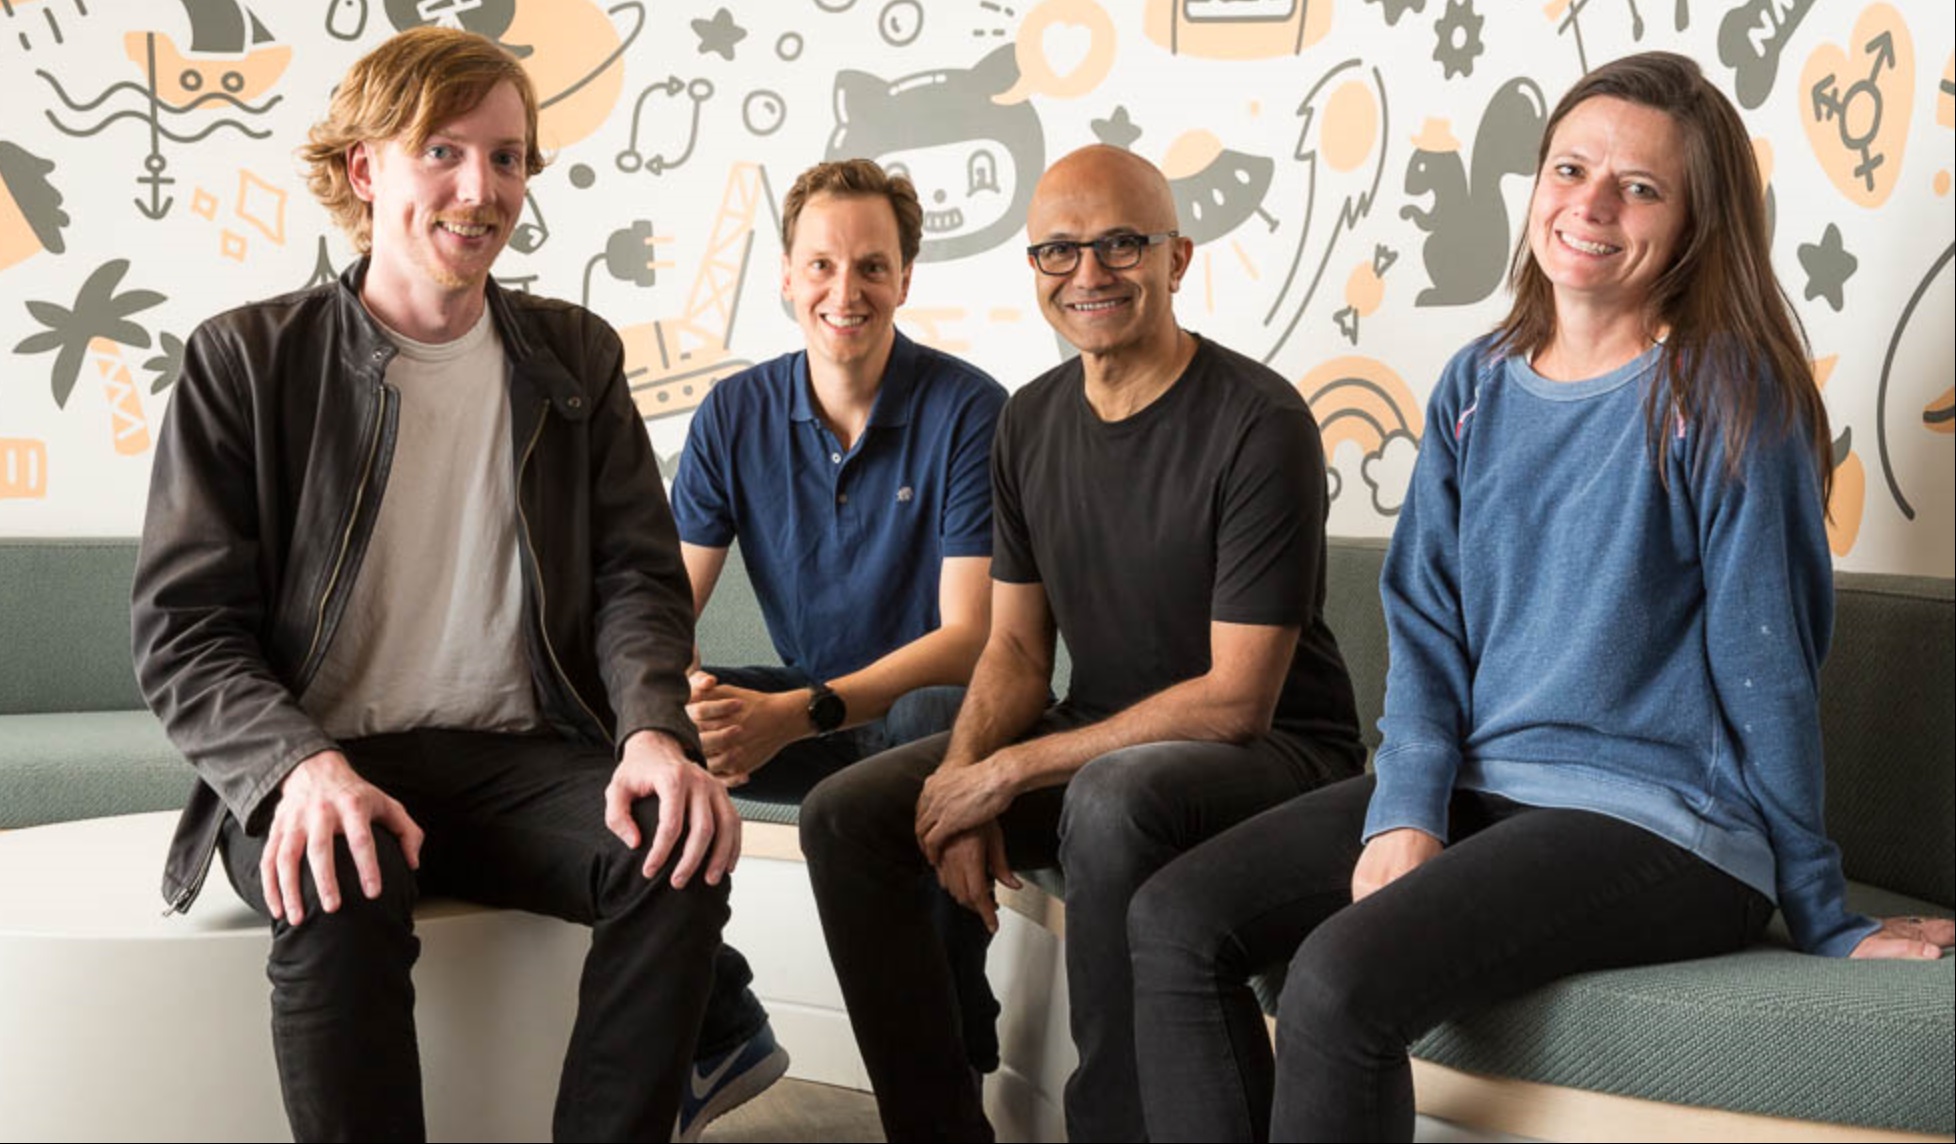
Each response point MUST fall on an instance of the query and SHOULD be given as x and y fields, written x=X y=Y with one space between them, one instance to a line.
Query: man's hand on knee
x=692 y=804
x=968 y=865
x=320 y=800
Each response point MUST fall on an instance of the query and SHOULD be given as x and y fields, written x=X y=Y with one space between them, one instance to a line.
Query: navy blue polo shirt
x=843 y=548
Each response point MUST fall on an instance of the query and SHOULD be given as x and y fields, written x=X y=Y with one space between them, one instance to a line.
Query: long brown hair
x=405 y=89
x=1736 y=353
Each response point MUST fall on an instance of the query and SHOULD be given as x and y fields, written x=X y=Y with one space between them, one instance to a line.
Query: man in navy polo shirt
x=856 y=476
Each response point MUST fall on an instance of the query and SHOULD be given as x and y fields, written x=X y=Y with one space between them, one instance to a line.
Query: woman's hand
x=1391 y=856
x=1911 y=938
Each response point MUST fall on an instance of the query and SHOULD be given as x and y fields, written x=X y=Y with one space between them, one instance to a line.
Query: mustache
x=479 y=216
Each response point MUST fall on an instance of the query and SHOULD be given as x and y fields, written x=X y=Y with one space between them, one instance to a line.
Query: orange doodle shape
x=931 y=322
x=1351 y=126
x=203 y=204
x=671 y=363
x=262 y=205
x=575 y=63
x=1946 y=94
x=1359 y=399
x=1365 y=289
x=1855 y=104
x=1939 y=416
x=23 y=468
x=232 y=245
x=182 y=79
x=128 y=425
x=1237 y=29
x=1065 y=49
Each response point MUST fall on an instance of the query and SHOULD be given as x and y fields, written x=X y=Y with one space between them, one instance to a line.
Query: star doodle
x=719 y=34
x=1828 y=266
x=1117 y=130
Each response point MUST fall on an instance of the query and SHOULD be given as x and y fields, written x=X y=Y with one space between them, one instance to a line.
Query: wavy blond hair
x=405 y=89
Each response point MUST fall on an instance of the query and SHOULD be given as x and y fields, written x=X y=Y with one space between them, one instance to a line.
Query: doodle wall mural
x=1352 y=171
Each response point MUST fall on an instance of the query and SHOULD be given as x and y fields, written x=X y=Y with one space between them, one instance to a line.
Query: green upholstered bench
x=1764 y=1044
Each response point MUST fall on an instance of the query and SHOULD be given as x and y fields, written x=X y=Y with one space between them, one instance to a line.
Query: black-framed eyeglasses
x=1115 y=251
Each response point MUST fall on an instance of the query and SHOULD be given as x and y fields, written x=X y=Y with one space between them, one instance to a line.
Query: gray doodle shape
x=763 y=111
x=1222 y=195
x=1468 y=242
x=789 y=46
x=1457 y=38
x=167 y=364
x=900 y=22
x=1396 y=8
x=224 y=26
x=1750 y=40
x=489 y=18
x=24 y=178
x=99 y=311
x=719 y=35
x=1903 y=326
x=974 y=161
x=1117 y=130
x=698 y=90
x=1828 y=266
x=346 y=19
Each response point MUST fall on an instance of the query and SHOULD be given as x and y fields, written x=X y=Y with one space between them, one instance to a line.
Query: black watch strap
x=826 y=710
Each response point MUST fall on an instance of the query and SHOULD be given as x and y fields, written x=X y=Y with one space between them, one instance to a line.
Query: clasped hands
x=741 y=729
x=324 y=797
x=957 y=829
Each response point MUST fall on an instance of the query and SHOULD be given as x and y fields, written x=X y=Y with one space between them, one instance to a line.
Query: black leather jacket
x=271 y=464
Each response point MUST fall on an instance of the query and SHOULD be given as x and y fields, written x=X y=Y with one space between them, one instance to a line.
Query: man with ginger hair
x=1159 y=503
x=411 y=602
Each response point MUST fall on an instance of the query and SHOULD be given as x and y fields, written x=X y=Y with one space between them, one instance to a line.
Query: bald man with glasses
x=1159 y=503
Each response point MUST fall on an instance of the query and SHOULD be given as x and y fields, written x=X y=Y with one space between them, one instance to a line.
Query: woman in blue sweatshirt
x=1608 y=598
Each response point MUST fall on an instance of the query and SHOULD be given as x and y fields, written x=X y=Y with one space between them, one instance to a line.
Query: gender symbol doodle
x=974 y=161
x=1750 y=40
x=235 y=61
x=658 y=163
x=1467 y=242
x=1854 y=133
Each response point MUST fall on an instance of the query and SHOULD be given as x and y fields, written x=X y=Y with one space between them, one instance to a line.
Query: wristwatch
x=826 y=709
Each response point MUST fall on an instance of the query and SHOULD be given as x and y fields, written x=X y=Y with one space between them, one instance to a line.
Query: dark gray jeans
x=1522 y=896
x=512 y=821
x=1120 y=819
x=733 y=1013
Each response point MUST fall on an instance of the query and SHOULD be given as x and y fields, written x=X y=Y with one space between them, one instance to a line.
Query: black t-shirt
x=1208 y=505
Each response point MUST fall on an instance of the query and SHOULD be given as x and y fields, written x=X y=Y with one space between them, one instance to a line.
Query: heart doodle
x=1855 y=105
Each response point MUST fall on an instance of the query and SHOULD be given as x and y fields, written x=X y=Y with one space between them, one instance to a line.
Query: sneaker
x=718 y=1085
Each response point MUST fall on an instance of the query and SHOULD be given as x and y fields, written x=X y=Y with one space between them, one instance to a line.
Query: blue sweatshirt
x=1566 y=631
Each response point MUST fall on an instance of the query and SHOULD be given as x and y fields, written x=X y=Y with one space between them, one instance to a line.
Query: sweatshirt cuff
x=1413 y=787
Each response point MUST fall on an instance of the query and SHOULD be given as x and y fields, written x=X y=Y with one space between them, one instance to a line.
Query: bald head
x=1119 y=314
x=1109 y=178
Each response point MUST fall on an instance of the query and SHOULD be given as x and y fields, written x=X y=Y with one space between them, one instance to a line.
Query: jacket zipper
x=543 y=610
x=346 y=540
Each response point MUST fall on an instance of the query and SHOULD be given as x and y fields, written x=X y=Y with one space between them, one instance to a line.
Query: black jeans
x=733 y=1013
x=512 y=821
x=1121 y=818
x=1522 y=896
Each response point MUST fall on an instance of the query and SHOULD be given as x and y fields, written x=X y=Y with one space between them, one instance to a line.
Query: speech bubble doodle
x=1854 y=103
x=1065 y=49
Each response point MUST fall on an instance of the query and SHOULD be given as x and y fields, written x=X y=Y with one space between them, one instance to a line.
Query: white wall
x=1316 y=259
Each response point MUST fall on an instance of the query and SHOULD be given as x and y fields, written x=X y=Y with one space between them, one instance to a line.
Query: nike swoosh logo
x=699 y=1086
